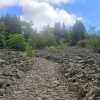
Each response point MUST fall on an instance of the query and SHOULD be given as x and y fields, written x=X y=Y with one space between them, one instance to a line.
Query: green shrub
x=57 y=48
x=28 y=50
x=91 y=42
x=82 y=43
x=2 y=41
x=52 y=49
x=43 y=40
x=17 y=42
x=94 y=42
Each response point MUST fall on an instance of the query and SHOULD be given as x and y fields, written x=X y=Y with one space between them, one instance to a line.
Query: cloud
x=55 y=1
x=7 y=3
x=42 y=12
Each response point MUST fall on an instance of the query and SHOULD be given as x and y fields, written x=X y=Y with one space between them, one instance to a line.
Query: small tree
x=29 y=50
x=17 y=42
x=83 y=43
x=94 y=42
x=2 y=41
x=78 y=32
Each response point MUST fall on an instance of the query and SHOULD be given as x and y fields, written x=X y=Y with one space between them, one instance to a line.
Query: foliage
x=90 y=42
x=55 y=38
x=2 y=41
x=48 y=39
x=10 y=24
x=61 y=33
x=27 y=30
x=83 y=43
x=28 y=50
x=17 y=42
x=57 y=48
x=94 y=42
x=44 y=39
x=77 y=33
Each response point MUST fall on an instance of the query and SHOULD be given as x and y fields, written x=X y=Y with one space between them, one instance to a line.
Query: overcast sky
x=44 y=12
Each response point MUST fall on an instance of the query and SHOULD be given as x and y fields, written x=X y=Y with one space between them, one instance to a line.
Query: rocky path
x=81 y=68
x=43 y=82
x=23 y=78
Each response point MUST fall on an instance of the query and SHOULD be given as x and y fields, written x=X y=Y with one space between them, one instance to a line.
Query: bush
x=43 y=40
x=28 y=50
x=94 y=42
x=91 y=42
x=82 y=43
x=57 y=48
x=17 y=42
x=2 y=41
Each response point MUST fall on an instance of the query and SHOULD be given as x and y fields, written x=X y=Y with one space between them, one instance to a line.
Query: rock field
x=81 y=71
x=72 y=74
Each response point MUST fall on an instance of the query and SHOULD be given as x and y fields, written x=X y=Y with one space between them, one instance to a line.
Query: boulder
x=93 y=93
x=2 y=91
x=2 y=61
x=19 y=74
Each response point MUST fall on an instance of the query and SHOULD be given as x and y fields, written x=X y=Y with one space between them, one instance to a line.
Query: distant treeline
x=20 y=35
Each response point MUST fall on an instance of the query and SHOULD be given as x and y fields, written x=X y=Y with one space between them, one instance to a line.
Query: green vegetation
x=77 y=33
x=83 y=43
x=57 y=48
x=20 y=35
x=28 y=50
x=17 y=42
x=94 y=42
x=2 y=41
